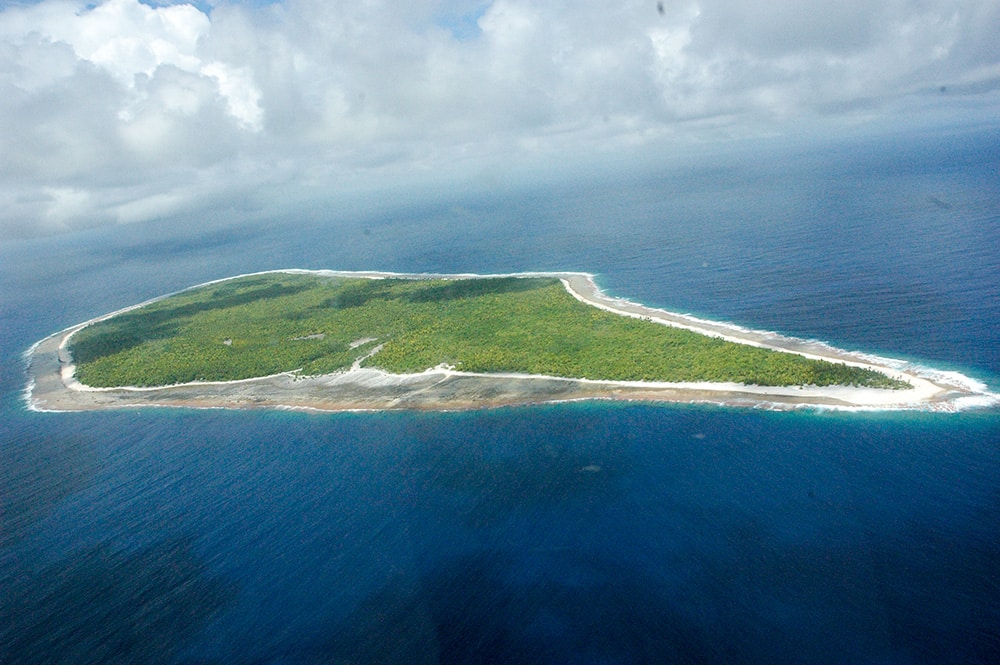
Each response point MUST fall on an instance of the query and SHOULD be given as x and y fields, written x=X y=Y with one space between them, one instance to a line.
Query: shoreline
x=52 y=386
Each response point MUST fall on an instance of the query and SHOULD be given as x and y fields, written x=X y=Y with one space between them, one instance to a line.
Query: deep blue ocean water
x=575 y=533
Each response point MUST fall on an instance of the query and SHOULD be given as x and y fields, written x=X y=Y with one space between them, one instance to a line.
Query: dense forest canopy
x=312 y=324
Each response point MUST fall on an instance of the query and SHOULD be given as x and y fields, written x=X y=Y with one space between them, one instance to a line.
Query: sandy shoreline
x=53 y=387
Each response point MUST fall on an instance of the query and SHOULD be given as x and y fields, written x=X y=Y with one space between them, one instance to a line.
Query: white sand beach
x=53 y=386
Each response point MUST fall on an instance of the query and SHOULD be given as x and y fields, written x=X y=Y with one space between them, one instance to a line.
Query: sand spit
x=53 y=387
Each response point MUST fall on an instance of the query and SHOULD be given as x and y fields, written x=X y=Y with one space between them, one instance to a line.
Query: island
x=336 y=341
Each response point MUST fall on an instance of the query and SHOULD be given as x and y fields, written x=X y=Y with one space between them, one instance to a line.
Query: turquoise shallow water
x=584 y=533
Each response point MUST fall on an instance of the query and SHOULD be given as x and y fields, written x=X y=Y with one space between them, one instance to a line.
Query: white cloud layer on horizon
x=125 y=112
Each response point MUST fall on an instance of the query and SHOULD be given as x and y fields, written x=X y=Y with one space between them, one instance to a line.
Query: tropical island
x=339 y=340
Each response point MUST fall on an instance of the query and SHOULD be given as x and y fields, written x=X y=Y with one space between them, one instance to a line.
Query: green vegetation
x=265 y=324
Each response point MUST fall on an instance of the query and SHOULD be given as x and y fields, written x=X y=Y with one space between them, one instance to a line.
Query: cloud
x=126 y=111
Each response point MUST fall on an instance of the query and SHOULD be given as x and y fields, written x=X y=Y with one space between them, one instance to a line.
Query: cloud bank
x=122 y=111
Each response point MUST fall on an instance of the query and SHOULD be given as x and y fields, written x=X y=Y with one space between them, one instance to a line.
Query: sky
x=121 y=111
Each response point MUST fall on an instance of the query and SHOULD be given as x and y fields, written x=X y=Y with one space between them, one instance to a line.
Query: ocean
x=571 y=533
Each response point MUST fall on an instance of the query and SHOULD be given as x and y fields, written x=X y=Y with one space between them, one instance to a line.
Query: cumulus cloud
x=125 y=111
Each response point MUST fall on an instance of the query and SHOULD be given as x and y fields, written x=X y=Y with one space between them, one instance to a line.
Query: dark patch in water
x=519 y=468
x=38 y=471
x=481 y=609
x=100 y=606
